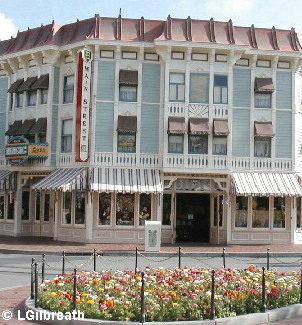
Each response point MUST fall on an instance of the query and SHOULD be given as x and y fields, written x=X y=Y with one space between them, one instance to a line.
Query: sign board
x=152 y=236
x=83 y=105
x=19 y=150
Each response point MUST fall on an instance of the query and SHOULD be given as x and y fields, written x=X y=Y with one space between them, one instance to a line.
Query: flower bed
x=170 y=295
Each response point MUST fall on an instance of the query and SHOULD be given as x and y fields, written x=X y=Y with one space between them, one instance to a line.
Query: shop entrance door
x=192 y=217
x=46 y=214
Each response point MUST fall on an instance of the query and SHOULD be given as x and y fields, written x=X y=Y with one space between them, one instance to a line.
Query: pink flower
x=103 y=307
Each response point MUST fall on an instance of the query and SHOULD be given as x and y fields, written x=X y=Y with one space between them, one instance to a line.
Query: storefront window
x=1 y=206
x=125 y=209
x=38 y=205
x=46 y=206
x=241 y=211
x=144 y=208
x=260 y=208
x=25 y=206
x=279 y=212
x=167 y=209
x=66 y=213
x=10 y=207
x=104 y=209
x=79 y=208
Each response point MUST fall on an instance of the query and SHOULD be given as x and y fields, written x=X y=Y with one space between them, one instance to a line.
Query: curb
x=250 y=319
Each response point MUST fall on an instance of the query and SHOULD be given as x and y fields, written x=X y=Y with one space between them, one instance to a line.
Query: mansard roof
x=144 y=30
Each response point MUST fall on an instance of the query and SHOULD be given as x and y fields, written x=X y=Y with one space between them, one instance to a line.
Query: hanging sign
x=83 y=105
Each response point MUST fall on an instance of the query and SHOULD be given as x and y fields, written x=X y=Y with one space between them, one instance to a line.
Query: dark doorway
x=192 y=217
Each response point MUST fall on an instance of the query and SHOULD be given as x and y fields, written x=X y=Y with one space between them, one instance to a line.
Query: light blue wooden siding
x=241 y=133
x=284 y=90
x=3 y=103
x=150 y=129
x=151 y=83
x=283 y=134
x=54 y=117
x=106 y=81
x=104 y=127
x=242 y=88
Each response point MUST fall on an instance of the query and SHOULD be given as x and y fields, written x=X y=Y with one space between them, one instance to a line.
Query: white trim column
x=89 y=216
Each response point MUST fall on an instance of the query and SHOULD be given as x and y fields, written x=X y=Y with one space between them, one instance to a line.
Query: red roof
x=143 y=30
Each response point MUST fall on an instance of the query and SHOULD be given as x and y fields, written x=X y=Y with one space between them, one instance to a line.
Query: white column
x=18 y=206
x=58 y=198
x=89 y=216
x=211 y=106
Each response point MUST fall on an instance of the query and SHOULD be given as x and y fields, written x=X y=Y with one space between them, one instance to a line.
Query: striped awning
x=123 y=180
x=8 y=180
x=64 y=179
x=265 y=184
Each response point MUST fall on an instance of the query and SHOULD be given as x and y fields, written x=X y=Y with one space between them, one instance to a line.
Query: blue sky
x=21 y=14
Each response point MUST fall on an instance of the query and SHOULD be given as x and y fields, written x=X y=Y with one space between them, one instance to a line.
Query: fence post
x=74 y=298
x=263 y=296
x=301 y=286
x=142 y=315
x=179 y=257
x=63 y=263
x=43 y=267
x=136 y=259
x=36 y=284
x=212 y=314
x=267 y=258
x=223 y=257
x=32 y=278
x=94 y=260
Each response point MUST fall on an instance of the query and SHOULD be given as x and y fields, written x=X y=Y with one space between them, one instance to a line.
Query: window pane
x=1 y=206
x=104 y=208
x=175 y=144
x=279 y=212
x=167 y=209
x=144 y=208
x=199 y=88
x=66 y=127
x=181 y=92
x=260 y=212
x=217 y=95
x=198 y=144
x=241 y=211
x=25 y=205
x=44 y=96
x=220 y=81
x=38 y=205
x=298 y=200
x=128 y=93
x=46 y=206
x=19 y=99
x=68 y=89
x=126 y=143
x=262 y=100
x=32 y=98
x=219 y=145
x=177 y=78
x=224 y=95
x=173 y=93
x=79 y=218
x=66 y=211
x=66 y=138
x=262 y=147
x=125 y=209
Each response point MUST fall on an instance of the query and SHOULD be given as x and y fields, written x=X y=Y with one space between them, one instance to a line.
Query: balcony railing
x=197 y=110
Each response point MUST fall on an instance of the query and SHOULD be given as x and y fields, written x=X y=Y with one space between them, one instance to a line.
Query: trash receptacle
x=152 y=236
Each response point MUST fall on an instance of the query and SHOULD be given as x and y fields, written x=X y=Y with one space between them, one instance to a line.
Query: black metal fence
x=38 y=271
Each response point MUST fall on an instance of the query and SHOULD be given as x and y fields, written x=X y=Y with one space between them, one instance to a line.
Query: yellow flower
x=53 y=294
x=90 y=302
x=174 y=304
x=84 y=295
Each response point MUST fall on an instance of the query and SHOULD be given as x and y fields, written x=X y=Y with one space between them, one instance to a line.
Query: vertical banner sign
x=83 y=105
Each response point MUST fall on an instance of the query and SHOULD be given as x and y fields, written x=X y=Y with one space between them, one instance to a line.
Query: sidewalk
x=42 y=244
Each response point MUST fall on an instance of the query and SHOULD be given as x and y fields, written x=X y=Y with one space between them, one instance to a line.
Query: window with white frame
x=2 y=206
x=126 y=142
x=125 y=209
x=38 y=206
x=177 y=87
x=66 y=210
x=66 y=136
x=128 y=84
x=31 y=98
x=219 y=145
x=175 y=143
x=104 y=209
x=279 y=212
x=44 y=96
x=260 y=212
x=79 y=210
x=220 y=89
x=198 y=143
x=199 y=88
x=144 y=208
x=262 y=147
x=68 y=89
x=19 y=100
x=167 y=209
x=46 y=207
x=263 y=100
x=10 y=208
x=25 y=205
x=241 y=212
x=299 y=214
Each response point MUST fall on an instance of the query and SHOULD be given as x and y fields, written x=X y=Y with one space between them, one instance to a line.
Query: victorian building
x=108 y=122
